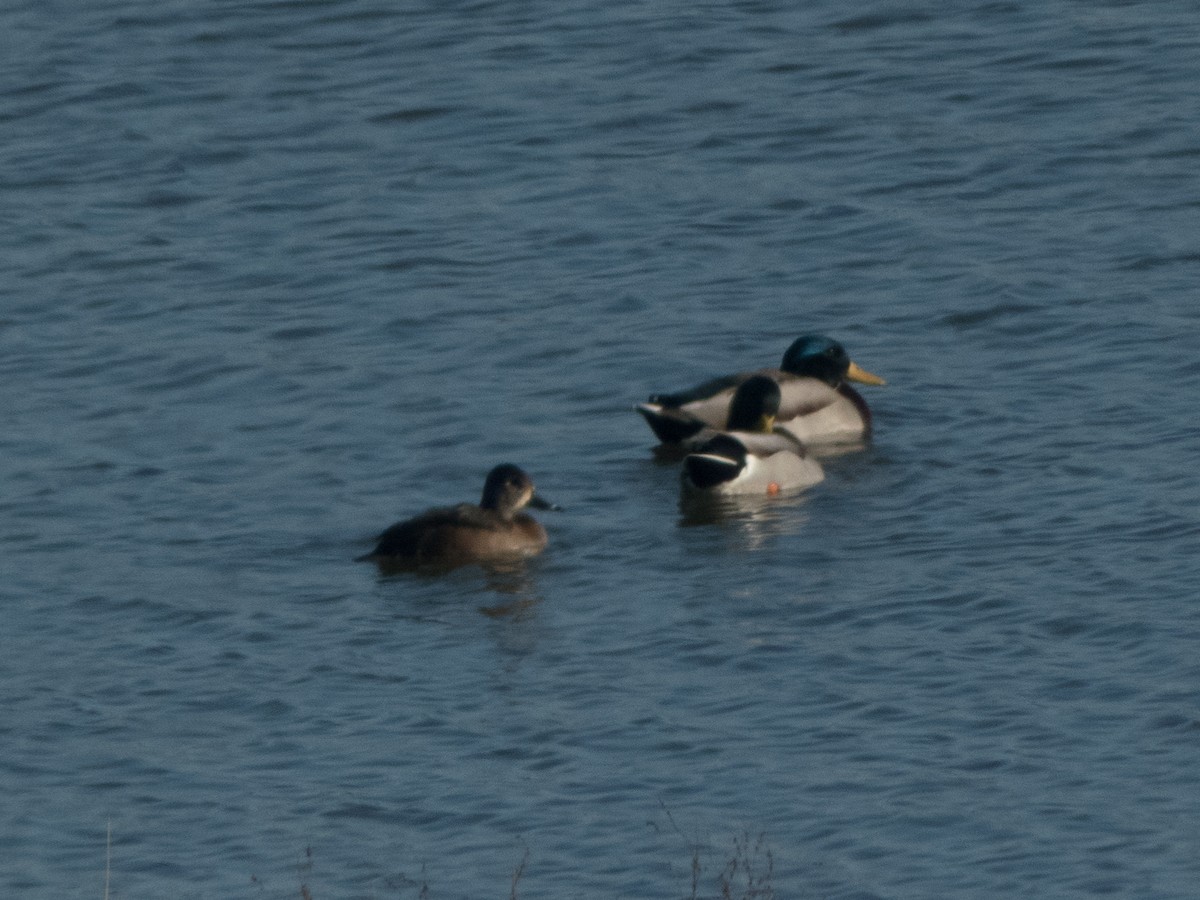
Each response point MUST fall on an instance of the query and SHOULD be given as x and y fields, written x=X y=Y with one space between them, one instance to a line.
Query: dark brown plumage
x=452 y=536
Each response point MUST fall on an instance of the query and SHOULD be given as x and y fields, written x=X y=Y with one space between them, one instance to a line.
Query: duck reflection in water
x=748 y=521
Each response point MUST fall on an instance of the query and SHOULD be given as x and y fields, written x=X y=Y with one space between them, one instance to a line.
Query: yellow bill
x=862 y=376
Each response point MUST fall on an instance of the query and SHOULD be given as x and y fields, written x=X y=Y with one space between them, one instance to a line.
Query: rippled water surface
x=275 y=275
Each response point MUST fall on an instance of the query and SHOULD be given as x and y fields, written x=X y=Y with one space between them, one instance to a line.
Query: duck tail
x=706 y=471
x=720 y=460
x=670 y=426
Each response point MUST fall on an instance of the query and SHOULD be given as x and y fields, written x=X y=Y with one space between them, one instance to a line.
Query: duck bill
x=862 y=376
x=538 y=502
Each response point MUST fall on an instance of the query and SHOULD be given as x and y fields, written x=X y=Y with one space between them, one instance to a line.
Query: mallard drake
x=753 y=456
x=451 y=536
x=817 y=405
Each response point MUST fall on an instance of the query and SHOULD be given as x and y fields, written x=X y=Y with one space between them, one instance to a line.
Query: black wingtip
x=669 y=426
x=706 y=471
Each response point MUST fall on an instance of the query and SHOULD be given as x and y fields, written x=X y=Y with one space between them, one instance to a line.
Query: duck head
x=508 y=490
x=755 y=405
x=816 y=356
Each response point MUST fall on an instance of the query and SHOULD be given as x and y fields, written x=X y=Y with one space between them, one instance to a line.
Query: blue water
x=275 y=275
